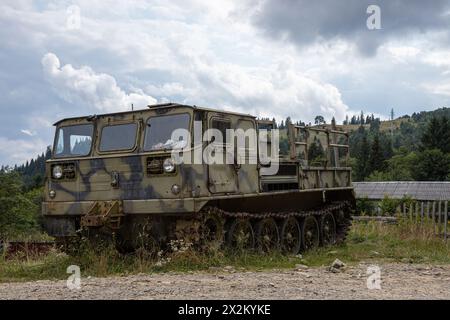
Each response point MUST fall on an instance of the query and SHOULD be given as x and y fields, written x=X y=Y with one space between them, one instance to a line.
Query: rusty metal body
x=120 y=190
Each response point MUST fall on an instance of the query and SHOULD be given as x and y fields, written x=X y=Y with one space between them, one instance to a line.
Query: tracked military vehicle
x=123 y=174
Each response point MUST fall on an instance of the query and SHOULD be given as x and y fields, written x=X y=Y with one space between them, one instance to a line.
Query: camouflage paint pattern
x=142 y=193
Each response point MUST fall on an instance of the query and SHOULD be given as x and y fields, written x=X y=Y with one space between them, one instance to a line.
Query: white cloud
x=199 y=73
x=275 y=90
x=438 y=88
x=402 y=54
x=440 y=59
x=17 y=151
x=85 y=86
x=28 y=132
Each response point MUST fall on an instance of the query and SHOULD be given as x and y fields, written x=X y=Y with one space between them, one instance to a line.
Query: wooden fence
x=436 y=211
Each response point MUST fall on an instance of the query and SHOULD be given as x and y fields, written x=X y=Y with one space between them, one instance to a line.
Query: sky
x=270 y=58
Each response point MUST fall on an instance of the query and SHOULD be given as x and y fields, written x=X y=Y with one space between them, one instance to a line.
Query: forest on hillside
x=416 y=148
x=21 y=190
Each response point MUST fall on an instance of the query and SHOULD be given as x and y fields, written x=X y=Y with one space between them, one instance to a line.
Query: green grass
x=368 y=241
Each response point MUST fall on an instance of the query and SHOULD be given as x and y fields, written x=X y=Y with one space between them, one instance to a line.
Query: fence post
x=428 y=209
x=433 y=216
x=421 y=210
x=439 y=218
x=445 y=219
x=416 y=213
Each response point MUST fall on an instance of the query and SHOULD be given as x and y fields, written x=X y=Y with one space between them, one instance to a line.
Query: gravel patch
x=398 y=281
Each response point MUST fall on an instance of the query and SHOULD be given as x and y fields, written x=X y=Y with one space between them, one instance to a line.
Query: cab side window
x=118 y=137
x=222 y=126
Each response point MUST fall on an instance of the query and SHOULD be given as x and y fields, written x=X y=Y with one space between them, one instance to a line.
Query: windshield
x=73 y=140
x=159 y=132
x=118 y=137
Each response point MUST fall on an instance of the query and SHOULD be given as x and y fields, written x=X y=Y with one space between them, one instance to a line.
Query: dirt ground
x=398 y=281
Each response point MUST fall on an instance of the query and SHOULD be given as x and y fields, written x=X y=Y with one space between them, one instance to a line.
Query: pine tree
x=319 y=120
x=346 y=120
x=316 y=153
x=362 y=157
x=376 y=158
x=288 y=122
x=32 y=172
x=437 y=134
x=431 y=165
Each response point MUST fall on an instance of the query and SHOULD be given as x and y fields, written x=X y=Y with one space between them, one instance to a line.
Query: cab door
x=222 y=175
x=247 y=155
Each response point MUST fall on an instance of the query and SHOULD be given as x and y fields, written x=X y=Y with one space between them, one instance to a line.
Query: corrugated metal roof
x=419 y=190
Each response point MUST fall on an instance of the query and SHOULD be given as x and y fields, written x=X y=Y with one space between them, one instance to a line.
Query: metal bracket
x=104 y=213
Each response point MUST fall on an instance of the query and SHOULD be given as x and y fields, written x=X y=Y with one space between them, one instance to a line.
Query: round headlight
x=57 y=172
x=168 y=165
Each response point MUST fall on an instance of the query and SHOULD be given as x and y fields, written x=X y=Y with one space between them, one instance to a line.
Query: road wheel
x=240 y=235
x=144 y=241
x=148 y=247
x=212 y=230
x=267 y=236
x=310 y=233
x=328 y=229
x=291 y=236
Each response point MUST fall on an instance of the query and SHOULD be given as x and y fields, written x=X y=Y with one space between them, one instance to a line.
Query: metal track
x=281 y=215
x=342 y=225
x=12 y=248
